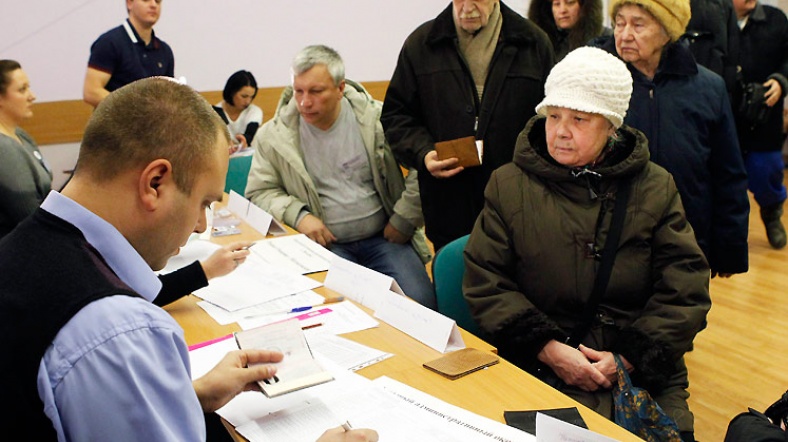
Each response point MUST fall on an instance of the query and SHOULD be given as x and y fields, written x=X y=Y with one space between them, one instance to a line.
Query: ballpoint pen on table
x=309 y=307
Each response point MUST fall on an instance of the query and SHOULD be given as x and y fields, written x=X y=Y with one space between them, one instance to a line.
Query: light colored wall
x=211 y=39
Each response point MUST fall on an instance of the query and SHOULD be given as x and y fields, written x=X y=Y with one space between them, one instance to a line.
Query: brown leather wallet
x=463 y=149
x=458 y=363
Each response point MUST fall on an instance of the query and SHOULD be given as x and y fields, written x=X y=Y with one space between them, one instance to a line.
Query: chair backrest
x=237 y=174
x=448 y=268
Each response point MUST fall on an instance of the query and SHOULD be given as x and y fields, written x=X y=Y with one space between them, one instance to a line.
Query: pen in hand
x=346 y=426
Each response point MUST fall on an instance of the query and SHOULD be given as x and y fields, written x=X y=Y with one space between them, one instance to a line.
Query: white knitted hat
x=589 y=80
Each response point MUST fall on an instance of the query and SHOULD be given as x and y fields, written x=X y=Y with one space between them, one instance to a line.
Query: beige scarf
x=478 y=48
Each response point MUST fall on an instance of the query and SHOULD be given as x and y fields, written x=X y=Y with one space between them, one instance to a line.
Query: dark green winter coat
x=529 y=269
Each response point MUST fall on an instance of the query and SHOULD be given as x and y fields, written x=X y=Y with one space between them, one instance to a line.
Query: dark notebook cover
x=526 y=420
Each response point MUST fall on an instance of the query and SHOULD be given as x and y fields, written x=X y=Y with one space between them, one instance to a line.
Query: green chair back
x=448 y=267
x=237 y=174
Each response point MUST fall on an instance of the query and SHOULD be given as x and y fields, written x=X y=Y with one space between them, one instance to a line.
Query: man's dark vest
x=48 y=272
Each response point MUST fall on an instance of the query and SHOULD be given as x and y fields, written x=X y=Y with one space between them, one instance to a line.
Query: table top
x=486 y=392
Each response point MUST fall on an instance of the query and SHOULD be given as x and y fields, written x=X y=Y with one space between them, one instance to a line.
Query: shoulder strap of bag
x=606 y=265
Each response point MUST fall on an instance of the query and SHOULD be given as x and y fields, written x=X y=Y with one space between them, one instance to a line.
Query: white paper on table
x=295 y=252
x=277 y=307
x=428 y=326
x=347 y=354
x=344 y=318
x=395 y=415
x=249 y=151
x=253 y=283
x=365 y=286
x=195 y=250
x=206 y=235
x=472 y=425
x=383 y=405
x=550 y=429
x=251 y=405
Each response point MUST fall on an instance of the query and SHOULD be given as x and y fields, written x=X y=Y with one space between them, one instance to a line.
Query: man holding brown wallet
x=477 y=70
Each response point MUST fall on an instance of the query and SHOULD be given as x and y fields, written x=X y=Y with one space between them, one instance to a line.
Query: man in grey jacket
x=323 y=166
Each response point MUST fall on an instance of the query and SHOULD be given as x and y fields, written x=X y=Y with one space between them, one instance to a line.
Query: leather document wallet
x=458 y=363
x=464 y=149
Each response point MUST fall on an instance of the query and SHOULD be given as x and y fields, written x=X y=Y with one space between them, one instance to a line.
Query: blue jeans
x=765 y=177
x=399 y=261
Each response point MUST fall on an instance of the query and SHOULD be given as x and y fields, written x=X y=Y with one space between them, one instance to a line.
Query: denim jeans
x=399 y=261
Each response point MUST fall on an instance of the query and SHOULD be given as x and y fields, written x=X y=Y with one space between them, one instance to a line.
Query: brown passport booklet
x=463 y=149
x=458 y=363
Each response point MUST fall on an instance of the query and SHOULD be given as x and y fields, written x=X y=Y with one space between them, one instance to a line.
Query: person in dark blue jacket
x=684 y=110
x=763 y=37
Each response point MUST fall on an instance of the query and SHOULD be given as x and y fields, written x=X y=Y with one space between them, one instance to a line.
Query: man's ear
x=154 y=181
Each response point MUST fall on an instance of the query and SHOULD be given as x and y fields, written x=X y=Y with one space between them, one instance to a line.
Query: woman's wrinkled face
x=639 y=36
x=575 y=138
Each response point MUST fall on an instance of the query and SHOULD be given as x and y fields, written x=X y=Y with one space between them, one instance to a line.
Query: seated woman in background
x=25 y=178
x=533 y=255
x=236 y=109
x=569 y=23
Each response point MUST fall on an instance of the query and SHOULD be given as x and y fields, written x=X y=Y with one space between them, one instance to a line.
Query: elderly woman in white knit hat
x=547 y=235
x=684 y=111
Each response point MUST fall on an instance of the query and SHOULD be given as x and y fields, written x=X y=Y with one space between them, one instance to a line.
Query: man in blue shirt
x=127 y=53
x=93 y=358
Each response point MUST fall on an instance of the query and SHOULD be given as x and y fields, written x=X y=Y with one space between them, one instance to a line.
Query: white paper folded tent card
x=256 y=217
x=428 y=326
x=365 y=286
x=383 y=295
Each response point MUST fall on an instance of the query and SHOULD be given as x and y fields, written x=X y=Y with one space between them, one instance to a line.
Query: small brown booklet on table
x=467 y=150
x=458 y=363
x=298 y=369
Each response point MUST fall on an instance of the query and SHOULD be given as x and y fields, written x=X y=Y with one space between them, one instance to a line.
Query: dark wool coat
x=432 y=97
x=529 y=274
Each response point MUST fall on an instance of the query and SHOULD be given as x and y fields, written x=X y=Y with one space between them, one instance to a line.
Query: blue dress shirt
x=119 y=369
